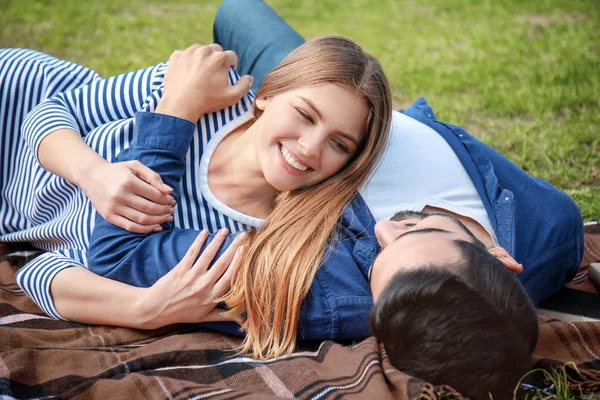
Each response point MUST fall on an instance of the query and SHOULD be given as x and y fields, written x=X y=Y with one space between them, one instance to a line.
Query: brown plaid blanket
x=45 y=358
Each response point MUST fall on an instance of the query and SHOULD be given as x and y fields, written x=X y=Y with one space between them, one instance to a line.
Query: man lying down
x=455 y=283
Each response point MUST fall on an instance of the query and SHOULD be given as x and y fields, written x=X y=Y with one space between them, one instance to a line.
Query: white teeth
x=291 y=161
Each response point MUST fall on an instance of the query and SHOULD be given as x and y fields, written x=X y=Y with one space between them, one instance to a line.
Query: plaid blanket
x=42 y=357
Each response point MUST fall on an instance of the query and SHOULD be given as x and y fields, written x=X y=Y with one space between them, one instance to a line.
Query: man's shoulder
x=419 y=109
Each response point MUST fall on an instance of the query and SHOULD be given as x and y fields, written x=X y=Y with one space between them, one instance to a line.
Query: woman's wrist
x=144 y=309
x=98 y=300
x=65 y=154
x=83 y=171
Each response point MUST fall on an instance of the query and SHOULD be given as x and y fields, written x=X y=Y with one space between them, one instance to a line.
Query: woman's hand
x=197 y=82
x=188 y=293
x=129 y=195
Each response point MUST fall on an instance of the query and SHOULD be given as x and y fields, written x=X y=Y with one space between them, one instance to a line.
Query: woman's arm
x=129 y=195
x=188 y=293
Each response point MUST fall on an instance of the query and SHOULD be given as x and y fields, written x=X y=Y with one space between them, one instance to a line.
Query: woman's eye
x=340 y=145
x=305 y=115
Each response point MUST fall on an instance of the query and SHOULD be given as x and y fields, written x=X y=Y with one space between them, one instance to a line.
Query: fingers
x=210 y=252
x=131 y=226
x=148 y=176
x=221 y=272
x=144 y=219
x=232 y=58
x=190 y=256
x=229 y=55
x=215 y=47
x=147 y=206
x=241 y=87
x=224 y=279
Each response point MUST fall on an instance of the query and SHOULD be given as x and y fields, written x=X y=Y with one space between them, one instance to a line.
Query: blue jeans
x=259 y=36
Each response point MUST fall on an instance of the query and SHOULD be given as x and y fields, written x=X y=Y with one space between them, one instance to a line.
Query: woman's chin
x=281 y=184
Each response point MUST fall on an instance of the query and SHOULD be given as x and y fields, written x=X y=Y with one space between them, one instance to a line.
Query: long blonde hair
x=282 y=257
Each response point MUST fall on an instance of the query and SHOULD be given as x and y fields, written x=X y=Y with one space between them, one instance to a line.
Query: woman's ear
x=260 y=103
x=501 y=254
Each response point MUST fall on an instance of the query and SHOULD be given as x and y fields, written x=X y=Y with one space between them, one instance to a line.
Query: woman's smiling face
x=307 y=135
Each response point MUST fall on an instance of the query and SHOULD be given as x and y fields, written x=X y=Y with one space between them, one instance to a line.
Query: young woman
x=318 y=124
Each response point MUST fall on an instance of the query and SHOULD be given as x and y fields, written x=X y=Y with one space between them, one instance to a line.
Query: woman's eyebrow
x=312 y=105
x=320 y=116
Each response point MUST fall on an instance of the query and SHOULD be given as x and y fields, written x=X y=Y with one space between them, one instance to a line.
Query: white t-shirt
x=418 y=169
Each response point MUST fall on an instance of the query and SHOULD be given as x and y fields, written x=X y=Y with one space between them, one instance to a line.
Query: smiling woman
x=337 y=109
x=295 y=156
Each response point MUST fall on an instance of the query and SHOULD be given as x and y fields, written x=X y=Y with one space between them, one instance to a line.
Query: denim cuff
x=163 y=131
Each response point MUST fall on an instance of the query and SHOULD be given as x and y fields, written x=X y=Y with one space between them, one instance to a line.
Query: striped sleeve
x=90 y=106
x=35 y=277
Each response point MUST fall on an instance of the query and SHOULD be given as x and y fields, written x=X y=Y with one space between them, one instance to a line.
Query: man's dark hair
x=469 y=325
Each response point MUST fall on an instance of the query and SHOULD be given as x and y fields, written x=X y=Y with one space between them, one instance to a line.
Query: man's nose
x=387 y=231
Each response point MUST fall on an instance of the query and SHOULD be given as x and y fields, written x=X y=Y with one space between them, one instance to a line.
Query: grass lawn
x=523 y=76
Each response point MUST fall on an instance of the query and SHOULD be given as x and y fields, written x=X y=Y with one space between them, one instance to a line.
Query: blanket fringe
x=430 y=392
x=588 y=380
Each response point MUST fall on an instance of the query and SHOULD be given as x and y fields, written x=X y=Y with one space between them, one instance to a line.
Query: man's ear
x=260 y=103
x=501 y=254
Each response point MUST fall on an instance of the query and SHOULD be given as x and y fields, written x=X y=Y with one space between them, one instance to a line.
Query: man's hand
x=129 y=195
x=188 y=293
x=197 y=82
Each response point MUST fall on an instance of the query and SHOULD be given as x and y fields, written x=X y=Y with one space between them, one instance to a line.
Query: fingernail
x=172 y=210
x=167 y=187
x=158 y=229
x=173 y=201
x=170 y=218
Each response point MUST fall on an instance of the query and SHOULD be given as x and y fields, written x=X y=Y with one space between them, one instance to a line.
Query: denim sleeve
x=161 y=143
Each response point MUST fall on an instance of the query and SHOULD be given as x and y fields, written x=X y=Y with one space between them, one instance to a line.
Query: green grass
x=559 y=379
x=523 y=76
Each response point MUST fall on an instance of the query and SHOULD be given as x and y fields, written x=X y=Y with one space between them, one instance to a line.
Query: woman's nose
x=311 y=146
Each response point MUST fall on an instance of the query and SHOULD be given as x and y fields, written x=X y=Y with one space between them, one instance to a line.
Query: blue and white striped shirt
x=55 y=215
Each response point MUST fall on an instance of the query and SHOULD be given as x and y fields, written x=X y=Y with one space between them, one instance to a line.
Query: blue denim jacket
x=538 y=224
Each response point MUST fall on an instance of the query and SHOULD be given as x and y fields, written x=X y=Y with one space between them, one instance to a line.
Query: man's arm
x=161 y=143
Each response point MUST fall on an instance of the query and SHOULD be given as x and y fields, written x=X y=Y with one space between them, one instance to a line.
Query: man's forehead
x=424 y=245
